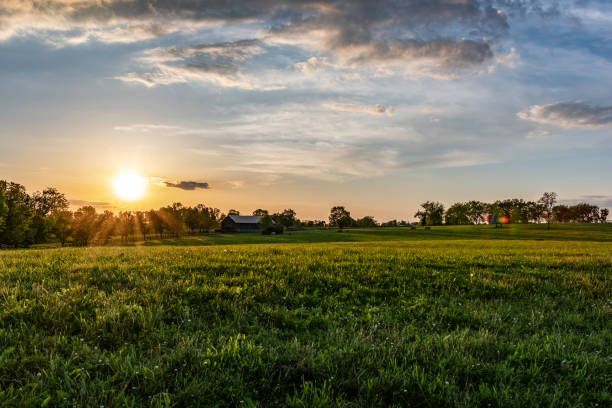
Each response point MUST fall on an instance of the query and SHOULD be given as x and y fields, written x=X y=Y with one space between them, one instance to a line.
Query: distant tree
x=286 y=218
x=458 y=214
x=192 y=217
x=431 y=214
x=340 y=217
x=535 y=211
x=260 y=212
x=603 y=215
x=233 y=212
x=475 y=211
x=126 y=225
x=50 y=200
x=61 y=222
x=85 y=225
x=392 y=223
x=19 y=212
x=156 y=222
x=107 y=225
x=142 y=224
x=268 y=225
x=3 y=211
x=366 y=222
x=172 y=217
x=548 y=201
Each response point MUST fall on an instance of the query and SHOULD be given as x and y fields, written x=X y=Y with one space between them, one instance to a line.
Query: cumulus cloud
x=445 y=37
x=377 y=109
x=569 y=114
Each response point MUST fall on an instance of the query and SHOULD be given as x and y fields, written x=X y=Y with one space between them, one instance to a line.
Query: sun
x=129 y=186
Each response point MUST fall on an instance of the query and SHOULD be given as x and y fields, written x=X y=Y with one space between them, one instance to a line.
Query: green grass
x=558 y=232
x=391 y=318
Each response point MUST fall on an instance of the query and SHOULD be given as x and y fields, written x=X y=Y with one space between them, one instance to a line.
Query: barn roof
x=245 y=219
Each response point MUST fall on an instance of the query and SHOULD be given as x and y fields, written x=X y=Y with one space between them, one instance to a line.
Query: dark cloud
x=452 y=31
x=187 y=185
x=569 y=114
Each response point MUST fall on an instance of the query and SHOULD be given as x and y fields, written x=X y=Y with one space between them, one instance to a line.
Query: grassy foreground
x=498 y=322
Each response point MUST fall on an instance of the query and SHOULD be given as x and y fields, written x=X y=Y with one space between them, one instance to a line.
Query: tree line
x=510 y=211
x=45 y=216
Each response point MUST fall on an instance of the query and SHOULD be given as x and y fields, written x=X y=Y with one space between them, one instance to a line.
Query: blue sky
x=307 y=104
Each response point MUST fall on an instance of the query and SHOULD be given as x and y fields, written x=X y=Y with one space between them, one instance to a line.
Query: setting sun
x=129 y=186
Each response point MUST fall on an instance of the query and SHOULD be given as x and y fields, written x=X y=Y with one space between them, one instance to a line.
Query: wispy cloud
x=377 y=109
x=569 y=114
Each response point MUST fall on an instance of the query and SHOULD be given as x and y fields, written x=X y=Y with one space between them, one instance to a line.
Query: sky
x=374 y=105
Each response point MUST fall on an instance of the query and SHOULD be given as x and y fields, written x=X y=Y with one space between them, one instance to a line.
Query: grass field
x=455 y=316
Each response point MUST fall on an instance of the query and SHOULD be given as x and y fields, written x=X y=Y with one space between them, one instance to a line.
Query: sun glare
x=130 y=186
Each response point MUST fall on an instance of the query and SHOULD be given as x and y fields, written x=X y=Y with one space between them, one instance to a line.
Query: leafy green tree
x=431 y=214
x=62 y=225
x=366 y=222
x=548 y=202
x=286 y=218
x=3 y=211
x=19 y=212
x=340 y=217
x=260 y=212
x=142 y=224
x=603 y=215
x=126 y=225
x=192 y=218
x=45 y=203
x=86 y=224
x=458 y=214
x=106 y=226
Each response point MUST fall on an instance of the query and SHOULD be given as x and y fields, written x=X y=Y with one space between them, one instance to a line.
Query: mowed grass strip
x=501 y=323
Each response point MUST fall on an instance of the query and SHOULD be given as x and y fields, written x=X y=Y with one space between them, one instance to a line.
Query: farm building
x=240 y=223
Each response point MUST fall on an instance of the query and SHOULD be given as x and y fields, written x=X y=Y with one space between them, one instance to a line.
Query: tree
x=45 y=203
x=126 y=224
x=62 y=225
x=260 y=212
x=458 y=214
x=475 y=211
x=142 y=224
x=603 y=215
x=3 y=211
x=340 y=217
x=156 y=222
x=366 y=222
x=106 y=225
x=269 y=226
x=286 y=218
x=431 y=214
x=19 y=211
x=548 y=202
x=233 y=212
x=85 y=225
x=192 y=218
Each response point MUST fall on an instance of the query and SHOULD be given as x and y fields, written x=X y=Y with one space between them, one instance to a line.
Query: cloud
x=569 y=114
x=446 y=38
x=187 y=185
x=377 y=109
x=218 y=63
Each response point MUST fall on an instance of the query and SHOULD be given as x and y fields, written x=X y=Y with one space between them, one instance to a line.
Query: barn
x=240 y=223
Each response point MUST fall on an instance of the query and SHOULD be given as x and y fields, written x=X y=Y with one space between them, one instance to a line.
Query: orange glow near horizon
x=129 y=186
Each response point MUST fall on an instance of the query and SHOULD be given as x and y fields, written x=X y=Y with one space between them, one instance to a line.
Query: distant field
x=455 y=316
x=558 y=232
